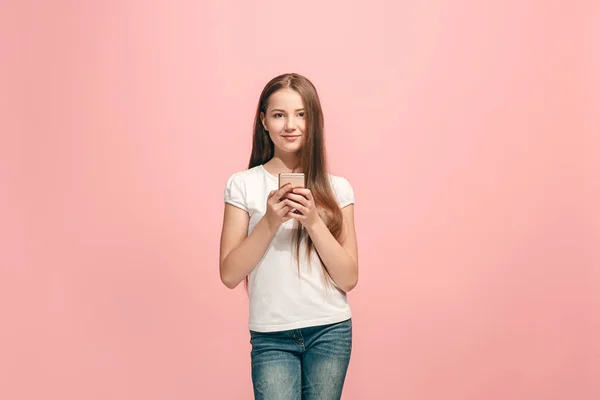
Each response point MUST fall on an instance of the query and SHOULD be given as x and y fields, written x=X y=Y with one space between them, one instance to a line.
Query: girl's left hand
x=302 y=200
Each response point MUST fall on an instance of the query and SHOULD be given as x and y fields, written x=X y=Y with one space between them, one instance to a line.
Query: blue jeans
x=301 y=364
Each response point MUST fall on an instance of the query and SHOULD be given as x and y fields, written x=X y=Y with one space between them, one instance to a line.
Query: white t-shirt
x=279 y=298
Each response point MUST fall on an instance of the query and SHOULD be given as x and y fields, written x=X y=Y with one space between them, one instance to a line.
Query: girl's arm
x=239 y=251
x=340 y=259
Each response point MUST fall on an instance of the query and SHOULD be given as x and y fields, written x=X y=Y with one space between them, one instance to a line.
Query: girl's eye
x=301 y=115
x=278 y=115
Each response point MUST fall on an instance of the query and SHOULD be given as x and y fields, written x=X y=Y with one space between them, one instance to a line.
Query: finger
x=271 y=193
x=305 y=192
x=298 y=199
x=283 y=211
x=296 y=206
x=281 y=205
x=299 y=217
x=286 y=188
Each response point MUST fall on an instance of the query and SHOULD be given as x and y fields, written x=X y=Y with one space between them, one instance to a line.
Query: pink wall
x=468 y=129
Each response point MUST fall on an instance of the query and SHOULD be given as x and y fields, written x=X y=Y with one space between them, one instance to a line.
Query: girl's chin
x=289 y=148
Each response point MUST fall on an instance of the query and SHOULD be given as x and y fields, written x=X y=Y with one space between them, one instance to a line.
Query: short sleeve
x=344 y=192
x=235 y=193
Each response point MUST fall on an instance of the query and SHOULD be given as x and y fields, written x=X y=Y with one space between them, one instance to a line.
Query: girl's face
x=285 y=120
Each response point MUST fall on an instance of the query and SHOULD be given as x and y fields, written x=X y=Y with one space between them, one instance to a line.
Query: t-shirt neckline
x=268 y=173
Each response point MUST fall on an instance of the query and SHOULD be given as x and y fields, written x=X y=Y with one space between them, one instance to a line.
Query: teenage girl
x=295 y=248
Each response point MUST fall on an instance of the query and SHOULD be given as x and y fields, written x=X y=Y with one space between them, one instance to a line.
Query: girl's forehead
x=286 y=98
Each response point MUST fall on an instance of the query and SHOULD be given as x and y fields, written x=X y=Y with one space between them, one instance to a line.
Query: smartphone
x=295 y=178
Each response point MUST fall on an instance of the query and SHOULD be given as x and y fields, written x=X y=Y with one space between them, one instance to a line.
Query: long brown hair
x=311 y=160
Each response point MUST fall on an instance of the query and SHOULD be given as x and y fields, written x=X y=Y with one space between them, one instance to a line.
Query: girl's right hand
x=277 y=211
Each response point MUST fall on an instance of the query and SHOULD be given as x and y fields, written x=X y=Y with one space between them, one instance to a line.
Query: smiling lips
x=291 y=138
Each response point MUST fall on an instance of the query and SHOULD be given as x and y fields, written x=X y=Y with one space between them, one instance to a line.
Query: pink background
x=469 y=131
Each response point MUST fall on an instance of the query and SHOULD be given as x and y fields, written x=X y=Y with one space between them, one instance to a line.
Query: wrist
x=314 y=225
x=270 y=227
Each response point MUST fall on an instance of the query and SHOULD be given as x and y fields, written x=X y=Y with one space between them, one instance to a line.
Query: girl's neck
x=278 y=164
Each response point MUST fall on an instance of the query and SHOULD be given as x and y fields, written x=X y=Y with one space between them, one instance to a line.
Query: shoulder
x=339 y=182
x=238 y=188
x=243 y=176
x=343 y=189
